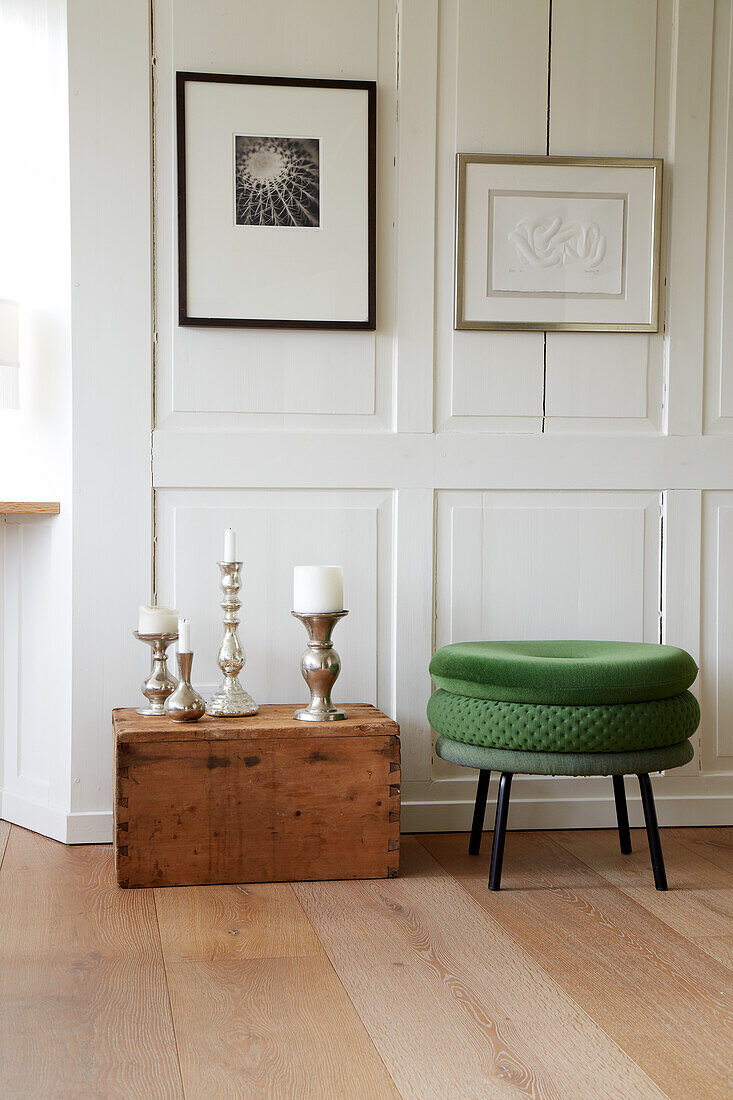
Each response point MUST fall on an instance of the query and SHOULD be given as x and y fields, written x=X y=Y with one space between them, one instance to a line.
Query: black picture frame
x=184 y=317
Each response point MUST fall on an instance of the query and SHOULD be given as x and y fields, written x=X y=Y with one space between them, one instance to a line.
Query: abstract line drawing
x=554 y=243
x=277 y=181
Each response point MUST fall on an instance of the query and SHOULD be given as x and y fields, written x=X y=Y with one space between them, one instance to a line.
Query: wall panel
x=717 y=649
x=273 y=379
x=493 y=98
x=277 y=530
x=608 y=78
x=28 y=713
x=718 y=410
x=547 y=565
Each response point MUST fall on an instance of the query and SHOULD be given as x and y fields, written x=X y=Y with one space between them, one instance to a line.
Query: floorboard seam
x=4 y=846
x=168 y=996
x=331 y=963
x=694 y=848
x=625 y=890
x=521 y=949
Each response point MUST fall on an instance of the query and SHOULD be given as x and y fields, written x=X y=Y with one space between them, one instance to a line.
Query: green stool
x=564 y=708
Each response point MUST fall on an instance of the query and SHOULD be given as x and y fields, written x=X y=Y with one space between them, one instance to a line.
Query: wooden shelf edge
x=26 y=508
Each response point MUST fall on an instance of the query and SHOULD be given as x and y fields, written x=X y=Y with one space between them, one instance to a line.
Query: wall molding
x=92 y=827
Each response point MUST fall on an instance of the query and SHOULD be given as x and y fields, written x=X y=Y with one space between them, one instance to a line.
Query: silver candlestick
x=231 y=700
x=320 y=666
x=159 y=684
x=185 y=704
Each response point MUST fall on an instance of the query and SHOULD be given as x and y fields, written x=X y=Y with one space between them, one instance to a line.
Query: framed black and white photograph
x=557 y=243
x=276 y=201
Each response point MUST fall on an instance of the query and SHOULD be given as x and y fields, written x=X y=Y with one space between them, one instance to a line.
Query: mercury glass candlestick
x=185 y=704
x=320 y=666
x=159 y=684
x=231 y=700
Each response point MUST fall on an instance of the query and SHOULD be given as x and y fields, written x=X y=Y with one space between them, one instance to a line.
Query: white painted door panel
x=472 y=484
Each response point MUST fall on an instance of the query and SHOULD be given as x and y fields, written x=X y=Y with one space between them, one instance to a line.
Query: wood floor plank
x=59 y=900
x=662 y=1000
x=718 y=947
x=699 y=901
x=258 y=1009
x=259 y=921
x=714 y=843
x=271 y=1028
x=83 y=999
x=453 y=1005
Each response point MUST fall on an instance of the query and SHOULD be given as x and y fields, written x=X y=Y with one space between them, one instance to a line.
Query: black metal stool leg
x=502 y=811
x=622 y=815
x=652 y=832
x=479 y=812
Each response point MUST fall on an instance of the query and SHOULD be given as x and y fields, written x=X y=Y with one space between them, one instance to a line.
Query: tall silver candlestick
x=320 y=666
x=159 y=684
x=231 y=700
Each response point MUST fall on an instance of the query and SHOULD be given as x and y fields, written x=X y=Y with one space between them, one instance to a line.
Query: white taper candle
x=230 y=545
x=184 y=636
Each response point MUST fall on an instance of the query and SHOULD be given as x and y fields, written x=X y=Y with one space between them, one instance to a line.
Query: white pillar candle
x=230 y=545
x=318 y=588
x=184 y=636
x=157 y=620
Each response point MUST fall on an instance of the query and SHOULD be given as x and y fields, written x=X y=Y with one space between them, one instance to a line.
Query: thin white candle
x=318 y=589
x=230 y=545
x=184 y=636
x=157 y=620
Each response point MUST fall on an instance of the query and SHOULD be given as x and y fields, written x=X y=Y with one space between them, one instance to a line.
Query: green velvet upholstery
x=615 y=727
x=566 y=763
x=563 y=673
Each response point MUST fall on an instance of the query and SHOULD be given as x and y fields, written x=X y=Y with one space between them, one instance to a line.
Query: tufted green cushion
x=565 y=763
x=536 y=727
x=563 y=672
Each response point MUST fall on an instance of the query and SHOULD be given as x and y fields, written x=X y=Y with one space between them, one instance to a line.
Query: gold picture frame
x=584 y=256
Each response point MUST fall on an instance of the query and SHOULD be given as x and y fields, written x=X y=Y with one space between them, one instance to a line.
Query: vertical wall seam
x=153 y=306
x=547 y=153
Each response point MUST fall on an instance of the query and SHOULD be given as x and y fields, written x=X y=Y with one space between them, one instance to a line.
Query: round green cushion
x=565 y=763
x=563 y=672
x=539 y=727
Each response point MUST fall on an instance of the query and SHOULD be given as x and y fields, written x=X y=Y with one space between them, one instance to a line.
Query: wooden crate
x=260 y=799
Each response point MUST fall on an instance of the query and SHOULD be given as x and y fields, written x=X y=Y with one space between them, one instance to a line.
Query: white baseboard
x=580 y=813
x=93 y=827
x=96 y=827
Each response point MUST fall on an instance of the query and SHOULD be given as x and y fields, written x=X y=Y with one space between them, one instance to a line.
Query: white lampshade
x=9 y=359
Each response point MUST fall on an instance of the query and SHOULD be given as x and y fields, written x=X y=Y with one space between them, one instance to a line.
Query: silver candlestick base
x=231 y=700
x=320 y=666
x=185 y=704
x=159 y=684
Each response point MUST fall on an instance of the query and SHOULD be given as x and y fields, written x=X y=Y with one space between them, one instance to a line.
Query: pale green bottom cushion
x=565 y=763
x=540 y=727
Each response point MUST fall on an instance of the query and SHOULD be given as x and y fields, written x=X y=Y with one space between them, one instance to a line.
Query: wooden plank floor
x=577 y=980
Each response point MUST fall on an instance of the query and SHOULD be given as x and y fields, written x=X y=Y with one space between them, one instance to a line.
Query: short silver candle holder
x=231 y=700
x=185 y=704
x=159 y=684
x=320 y=666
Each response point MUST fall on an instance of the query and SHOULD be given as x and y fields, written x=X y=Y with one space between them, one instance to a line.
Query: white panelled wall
x=473 y=484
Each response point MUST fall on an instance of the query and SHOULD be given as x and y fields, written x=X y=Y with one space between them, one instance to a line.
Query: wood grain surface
x=29 y=508
x=83 y=995
x=419 y=958
x=572 y=982
x=4 y=834
x=272 y=718
x=664 y=1001
x=255 y=921
x=264 y=808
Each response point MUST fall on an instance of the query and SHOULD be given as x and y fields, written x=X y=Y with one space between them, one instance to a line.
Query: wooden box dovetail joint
x=260 y=799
